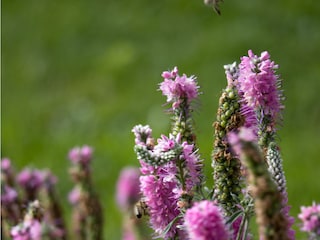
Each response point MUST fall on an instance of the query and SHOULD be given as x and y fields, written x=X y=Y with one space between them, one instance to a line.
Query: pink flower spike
x=244 y=134
x=8 y=195
x=128 y=187
x=5 y=164
x=81 y=155
x=258 y=84
x=204 y=221
x=177 y=88
x=86 y=153
x=74 y=154
x=75 y=195
x=310 y=217
x=30 y=178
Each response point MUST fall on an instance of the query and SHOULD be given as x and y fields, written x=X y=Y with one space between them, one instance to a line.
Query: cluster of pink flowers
x=310 y=217
x=178 y=88
x=160 y=187
x=81 y=155
x=259 y=84
x=8 y=195
x=128 y=190
x=204 y=221
x=168 y=180
x=157 y=187
x=30 y=179
x=39 y=194
x=27 y=230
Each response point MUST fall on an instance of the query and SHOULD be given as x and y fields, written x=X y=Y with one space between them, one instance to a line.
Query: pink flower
x=310 y=217
x=75 y=195
x=27 y=230
x=204 y=221
x=193 y=165
x=158 y=188
x=5 y=164
x=178 y=88
x=128 y=189
x=81 y=155
x=259 y=83
x=170 y=75
x=8 y=195
x=30 y=179
x=162 y=204
x=165 y=143
x=244 y=134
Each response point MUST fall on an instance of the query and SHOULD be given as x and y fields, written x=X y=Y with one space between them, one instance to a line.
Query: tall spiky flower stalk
x=260 y=88
x=87 y=212
x=33 y=226
x=205 y=221
x=127 y=195
x=53 y=213
x=30 y=180
x=181 y=91
x=10 y=203
x=171 y=168
x=227 y=167
x=273 y=224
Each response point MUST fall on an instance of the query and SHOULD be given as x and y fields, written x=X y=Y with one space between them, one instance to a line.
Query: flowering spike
x=87 y=212
x=272 y=222
x=259 y=86
x=227 y=174
x=310 y=217
x=31 y=180
x=128 y=190
x=176 y=87
x=205 y=221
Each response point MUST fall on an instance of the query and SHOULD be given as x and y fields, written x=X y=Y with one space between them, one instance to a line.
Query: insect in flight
x=141 y=209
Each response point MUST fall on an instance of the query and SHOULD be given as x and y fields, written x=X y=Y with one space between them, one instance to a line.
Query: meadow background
x=85 y=72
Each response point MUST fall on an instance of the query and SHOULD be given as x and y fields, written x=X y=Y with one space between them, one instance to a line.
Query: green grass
x=81 y=72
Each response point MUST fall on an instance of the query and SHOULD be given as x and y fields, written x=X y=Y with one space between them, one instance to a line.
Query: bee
x=140 y=209
x=214 y=4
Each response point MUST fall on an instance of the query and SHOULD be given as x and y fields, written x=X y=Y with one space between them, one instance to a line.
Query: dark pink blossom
x=5 y=164
x=166 y=143
x=259 y=83
x=177 y=88
x=75 y=195
x=81 y=154
x=128 y=189
x=193 y=165
x=245 y=134
x=30 y=179
x=29 y=229
x=310 y=217
x=8 y=195
x=204 y=221
x=161 y=201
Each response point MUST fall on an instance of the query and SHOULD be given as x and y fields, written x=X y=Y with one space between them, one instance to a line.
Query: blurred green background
x=85 y=72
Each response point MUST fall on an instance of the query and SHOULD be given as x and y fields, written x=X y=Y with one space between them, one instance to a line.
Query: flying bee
x=214 y=4
x=140 y=209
